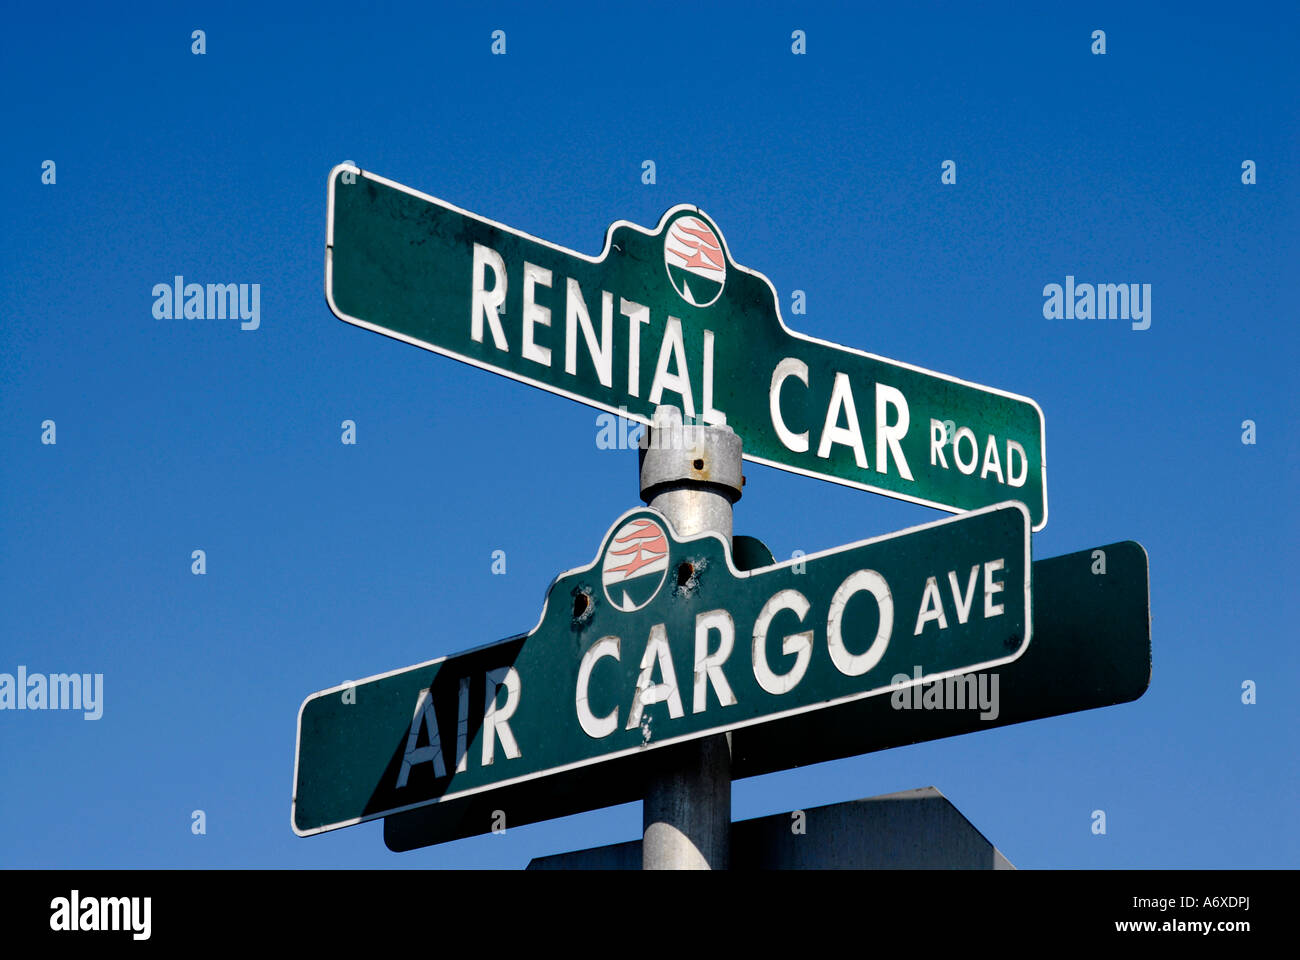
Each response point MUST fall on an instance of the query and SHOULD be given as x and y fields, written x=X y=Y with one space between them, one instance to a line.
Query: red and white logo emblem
x=694 y=259
x=635 y=564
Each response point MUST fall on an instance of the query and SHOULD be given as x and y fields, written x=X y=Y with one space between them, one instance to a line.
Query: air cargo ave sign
x=662 y=640
x=666 y=316
x=1091 y=648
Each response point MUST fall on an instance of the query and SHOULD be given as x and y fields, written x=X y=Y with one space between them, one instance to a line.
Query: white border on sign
x=722 y=728
x=609 y=234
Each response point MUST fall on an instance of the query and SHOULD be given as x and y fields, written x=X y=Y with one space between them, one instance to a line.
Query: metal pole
x=692 y=475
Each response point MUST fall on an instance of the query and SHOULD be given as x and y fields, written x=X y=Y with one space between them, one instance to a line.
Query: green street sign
x=661 y=640
x=1092 y=648
x=666 y=316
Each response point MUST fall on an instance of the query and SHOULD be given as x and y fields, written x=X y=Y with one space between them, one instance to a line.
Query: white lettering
x=495 y=725
x=679 y=382
x=487 y=303
x=887 y=437
x=647 y=693
x=797 y=644
x=432 y=753
x=636 y=316
x=708 y=667
x=601 y=351
x=931 y=608
x=965 y=433
x=789 y=367
x=535 y=314
x=592 y=725
x=991 y=587
x=832 y=432
x=854 y=665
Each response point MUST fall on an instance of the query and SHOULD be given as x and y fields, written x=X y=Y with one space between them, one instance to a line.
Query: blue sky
x=328 y=562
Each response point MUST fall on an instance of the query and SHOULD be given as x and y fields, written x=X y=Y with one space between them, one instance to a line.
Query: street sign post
x=1091 y=648
x=666 y=316
x=878 y=833
x=662 y=640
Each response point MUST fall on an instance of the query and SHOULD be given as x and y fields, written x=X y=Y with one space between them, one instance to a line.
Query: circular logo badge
x=635 y=564
x=693 y=257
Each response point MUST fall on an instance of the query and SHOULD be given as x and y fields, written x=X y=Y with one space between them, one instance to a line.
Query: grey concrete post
x=692 y=475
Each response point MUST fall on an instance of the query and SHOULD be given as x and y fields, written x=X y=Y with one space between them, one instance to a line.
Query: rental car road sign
x=666 y=316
